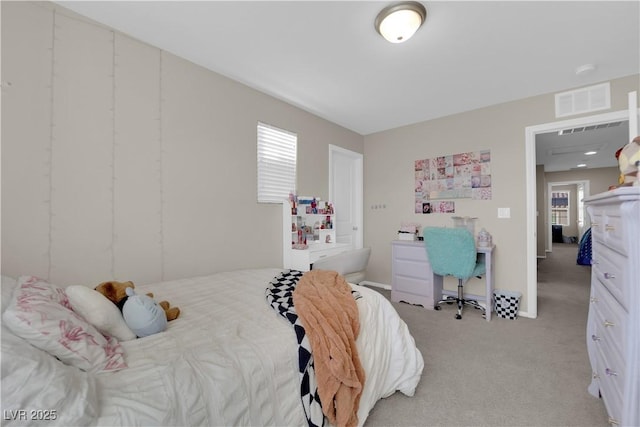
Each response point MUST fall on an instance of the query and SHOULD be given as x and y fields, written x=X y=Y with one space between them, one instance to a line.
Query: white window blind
x=277 y=153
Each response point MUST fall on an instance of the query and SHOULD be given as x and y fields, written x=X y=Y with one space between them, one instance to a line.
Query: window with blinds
x=277 y=154
x=560 y=208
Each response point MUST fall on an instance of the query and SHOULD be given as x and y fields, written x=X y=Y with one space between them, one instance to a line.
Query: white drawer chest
x=412 y=279
x=613 y=325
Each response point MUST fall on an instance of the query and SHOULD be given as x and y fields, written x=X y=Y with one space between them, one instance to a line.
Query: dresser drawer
x=607 y=227
x=596 y=215
x=610 y=269
x=412 y=285
x=611 y=380
x=413 y=252
x=315 y=255
x=415 y=269
x=609 y=321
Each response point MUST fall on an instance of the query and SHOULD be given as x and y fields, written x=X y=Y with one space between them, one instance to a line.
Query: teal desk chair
x=452 y=252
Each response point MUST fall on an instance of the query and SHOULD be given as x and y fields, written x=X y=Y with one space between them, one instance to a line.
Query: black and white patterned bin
x=506 y=303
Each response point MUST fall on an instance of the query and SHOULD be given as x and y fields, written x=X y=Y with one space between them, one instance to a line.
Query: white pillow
x=39 y=389
x=99 y=311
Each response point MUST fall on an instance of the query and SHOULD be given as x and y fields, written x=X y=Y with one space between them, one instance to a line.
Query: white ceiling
x=326 y=57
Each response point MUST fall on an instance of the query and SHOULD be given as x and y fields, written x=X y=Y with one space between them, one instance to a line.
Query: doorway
x=346 y=193
x=576 y=219
x=531 y=208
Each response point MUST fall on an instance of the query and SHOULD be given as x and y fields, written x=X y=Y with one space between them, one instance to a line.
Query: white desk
x=301 y=259
x=413 y=281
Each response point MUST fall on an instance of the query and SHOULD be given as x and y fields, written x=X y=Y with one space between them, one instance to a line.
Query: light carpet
x=522 y=372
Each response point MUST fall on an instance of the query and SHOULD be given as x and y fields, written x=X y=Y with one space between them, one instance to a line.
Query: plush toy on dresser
x=143 y=315
x=629 y=162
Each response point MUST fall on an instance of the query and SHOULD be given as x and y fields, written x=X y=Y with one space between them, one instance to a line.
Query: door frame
x=530 y=173
x=358 y=160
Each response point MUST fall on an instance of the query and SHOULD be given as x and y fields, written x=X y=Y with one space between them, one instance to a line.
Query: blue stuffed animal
x=143 y=315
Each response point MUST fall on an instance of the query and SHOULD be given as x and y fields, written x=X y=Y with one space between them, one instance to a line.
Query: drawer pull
x=609 y=276
x=606 y=324
x=614 y=422
x=611 y=372
x=594 y=299
x=595 y=224
x=594 y=337
x=608 y=227
x=595 y=376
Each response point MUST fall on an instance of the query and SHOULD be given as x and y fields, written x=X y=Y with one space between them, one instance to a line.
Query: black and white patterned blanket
x=280 y=297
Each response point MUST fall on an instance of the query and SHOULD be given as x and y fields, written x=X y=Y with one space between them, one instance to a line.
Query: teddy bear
x=116 y=292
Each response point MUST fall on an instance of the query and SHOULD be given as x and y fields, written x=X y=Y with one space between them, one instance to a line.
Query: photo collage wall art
x=456 y=176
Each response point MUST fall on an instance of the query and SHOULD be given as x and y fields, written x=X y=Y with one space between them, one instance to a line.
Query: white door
x=346 y=193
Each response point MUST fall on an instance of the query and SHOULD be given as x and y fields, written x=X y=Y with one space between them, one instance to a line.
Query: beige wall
x=389 y=179
x=123 y=161
x=600 y=179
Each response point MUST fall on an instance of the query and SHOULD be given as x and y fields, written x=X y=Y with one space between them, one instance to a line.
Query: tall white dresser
x=613 y=325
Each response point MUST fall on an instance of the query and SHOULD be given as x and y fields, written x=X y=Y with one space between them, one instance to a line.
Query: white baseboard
x=526 y=314
x=376 y=284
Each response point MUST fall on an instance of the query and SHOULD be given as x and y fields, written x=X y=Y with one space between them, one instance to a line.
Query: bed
x=229 y=359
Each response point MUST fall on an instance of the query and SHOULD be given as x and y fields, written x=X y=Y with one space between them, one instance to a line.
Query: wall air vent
x=587 y=128
x=584 y=100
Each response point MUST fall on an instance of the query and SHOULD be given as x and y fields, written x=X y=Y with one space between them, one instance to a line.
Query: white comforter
x=230 y=359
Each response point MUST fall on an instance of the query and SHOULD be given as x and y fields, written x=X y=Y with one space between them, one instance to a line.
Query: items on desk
x=484 y=238
x=465 y=222
x=405 y=235
x=408 y=231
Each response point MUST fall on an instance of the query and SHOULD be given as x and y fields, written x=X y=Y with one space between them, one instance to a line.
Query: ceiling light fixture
x=590 y=153
x=398 y=22
x=585 y=69
x=582 y=165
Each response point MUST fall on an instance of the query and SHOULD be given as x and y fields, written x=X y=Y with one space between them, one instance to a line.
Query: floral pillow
x=41 y=314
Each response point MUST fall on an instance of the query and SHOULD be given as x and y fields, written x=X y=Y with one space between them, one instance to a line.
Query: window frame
x=277 y=158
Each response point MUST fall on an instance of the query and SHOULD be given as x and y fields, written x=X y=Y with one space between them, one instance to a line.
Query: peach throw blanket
x=329 y=314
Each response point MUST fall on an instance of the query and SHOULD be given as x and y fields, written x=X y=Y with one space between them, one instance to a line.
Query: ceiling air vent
x=584 y=100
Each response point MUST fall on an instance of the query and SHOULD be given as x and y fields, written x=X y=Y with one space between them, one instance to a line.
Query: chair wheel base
x=437 y=307
x=458 y=316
